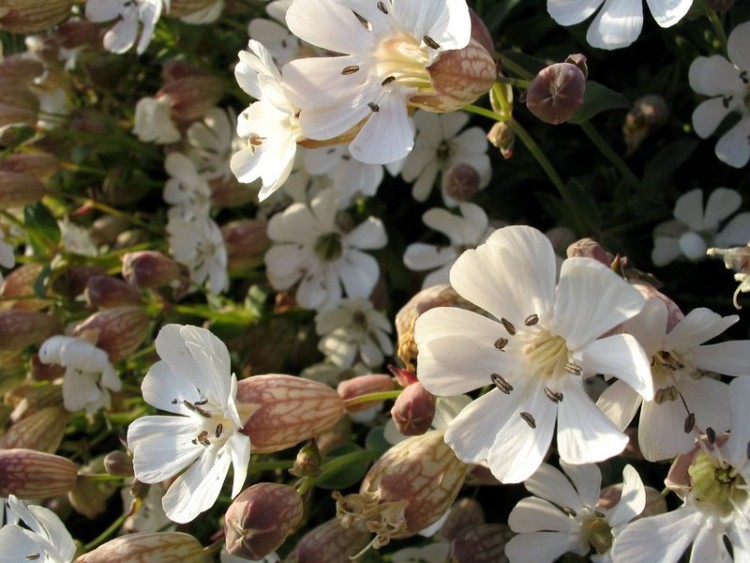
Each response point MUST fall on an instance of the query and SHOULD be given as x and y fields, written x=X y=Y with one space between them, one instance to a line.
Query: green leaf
x=376 y=441
x=597 y=99
x=41 y=226
x=667 y=161
x=584 y=205
x=346 y=475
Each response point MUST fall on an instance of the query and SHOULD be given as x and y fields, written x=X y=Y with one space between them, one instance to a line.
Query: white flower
x=440 y=144
x=693 y=230
x=619 y=22
x=192 y=380
x=727 y=84
x=150 y=516
x=212 y=142
x=76 y=239
x=678 y=359
x=715 y=509
x=352 y=330
x=7 y=258
x=43 y=537
x=564 y=515
x=309 y=248
x=269 y=125
x=89 y=375
x=349 y=176
x=466 y=231
x=186 y=190
x=386 y=52
x=199 y=245
x=545 y=343
x=153 y=122
x=128 y=13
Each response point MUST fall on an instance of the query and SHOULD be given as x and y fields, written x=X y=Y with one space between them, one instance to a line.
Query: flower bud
x=260 y=519
x=106 y=291
x=118 y=331
x=89 y=496
x=338 y=434
x=409 y=488
x=246 y=242
x=149 y=269
x=484 y=543
x=461 y=182
x=20 y=328
x=502 y=136
x=41 y=430
x=31 y=474
x=556 y=93
x=229 y=192
x=78 y=33
x=285 y=410
x=118 y=463
x=589 y=248
x=73 y=279
x=307 y=462
x=148 y=547
x=467 y=513
x=182 y=8
x=329 y=543
x=413 y=410
x=20 y=69
x=17 y=190
x=17 y=289
x=364 y=385
x=189 y=91
x=107 y=228
x=40 y=165
x=647 y=115
x=30 y=16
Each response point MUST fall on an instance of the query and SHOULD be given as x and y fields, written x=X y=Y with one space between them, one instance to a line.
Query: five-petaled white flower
x=199 y=245
x=129 y=14
x=153 y=121
x=543 y=340
x=192 y=380
x=619 y=22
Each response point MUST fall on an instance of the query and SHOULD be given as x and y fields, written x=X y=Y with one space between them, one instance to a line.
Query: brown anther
x=387 y=80
x=569 y=511
x=203 y=438
x=219 y=430
x=365 y=23
x=573 y=368
x=528 y=418
x=553 y=396
x=374 y=107
x=501 y=343
x=351 y=69
x=33 y=556
x=689 y=423
x=501 y=383
x=508 y=326
x=711 y=435
x=201 y=402
x=531 y=320
x=430 y=42
x=382 y=8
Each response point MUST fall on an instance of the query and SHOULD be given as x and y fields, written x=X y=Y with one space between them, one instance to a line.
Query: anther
x=569 y=511
x=382 y=8
x=219 y=430
x=508 y=326
x=528 y=418
x=531 y=320
x=33 y=556
x=689 y=423
x=351 y=69
x=387 y=80
x=374 y=107
x=366 y=24
x=711 y=435
x=553 y=396
x=501 y=343
x=203 y=438
x=501 y=383
x=598 y=513
x=202 y=402
x=747 y=450
x=430 y=42
x=573 y=368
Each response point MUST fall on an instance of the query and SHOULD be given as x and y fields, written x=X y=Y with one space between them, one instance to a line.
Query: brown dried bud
x=118 y=331
x=461 y=182
x=20 y=328
x=409 y=488
x=481 y=544
x=118 y=463
x=364 y=385
x=17 y=289
x=649 y=113
x=260 y=519
x=30 y=16
x=329 y=543
x=31 y=474
x=556 y=93
x=285 y=410
x=413 y=410
x=39 y=165
x=467 y=513
x=148 y=547
x=17 y=190
x=246 y=241
x=190 y=91
x=149 y=269
x=502 y=136
x=589 y=248
x=106 y=291
x=41 y=430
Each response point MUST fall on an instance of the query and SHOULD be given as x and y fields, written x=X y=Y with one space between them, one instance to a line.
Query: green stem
x=99 y=477
x=514 y=67
x=716 y=24
x=379 y=396
x=104 y=536
x=611 y=155
x=517 y=82
x=484 y=112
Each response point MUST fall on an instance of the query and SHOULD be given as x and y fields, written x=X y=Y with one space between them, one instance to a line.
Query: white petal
x=536 y=514
x=551 y=484
x=619 y=403
x=359 y=273
x=728 y=358
x=617 y=25
x=708 y=545
x=368 y=235
x=689 y=209
x=587 y=480
x=661 y=433
x=698 y=326
x=571 y=12
x=540 y=547
x=733 y=147
x=708 y=115
x=665 y=250
x=162 y=446
x=738 y=46
x=739 y=397
x=387 y=135
x=420 y=256
x=329 y=25
x=721 y=204
x=239 y=450
x=620 y=355
x=669 y=12
x=735 y=233
x=632 y=500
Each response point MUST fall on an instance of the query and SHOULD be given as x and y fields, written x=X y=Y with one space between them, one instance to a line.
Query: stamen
x=598 y=513
x=203 y=438
x=351 y=69
x=573 y=368
x=501 y=383
x=430 y=42
x=219 y=430
x=689 y=423
x=531 y=320
x=382 y=8
x=374 y=107
x=501 y=343
x=387 y=80
x=569 y=511
x=33 y=556
x=528 y=418
x=553 y=396
x=366 y=24
x=508 y=326
x=202 y=402
x=195 y=408
x=711 y=435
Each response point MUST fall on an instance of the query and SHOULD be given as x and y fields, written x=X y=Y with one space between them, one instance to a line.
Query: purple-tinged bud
x=20 y=328
x=413 y=410
x=589 y=248
x=118 y=463
x=41 y=430
x=556 y=93
x=484 y=543
x=30 y=16
x=260 y=519
x=502 y=136
x=107 y=228
x=74 y=279
x=246 y=242
x=39 y=165
x=148 y=547
x=18 y=105
x=465 y=514
x=17 y=289
x=79 y=33
x=20 y=69
x=118 y=331
x=16 y=189
x=364 y=385
x=329 y=543
x=285 y=410
x=31 y=474
x=105 y=292
x=461 y=182
x=648 y=114
x=149 y=269
x=674 y=314
x=189 y=90
x=229 y=192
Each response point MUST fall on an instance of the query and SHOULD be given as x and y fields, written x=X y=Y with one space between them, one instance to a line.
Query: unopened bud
x=17 y=289
x=467 y=513
x=260 y=519
x=182 y=8
x=41 y=430
x=149 y=269
x=364 y=385
x=413 y=410
x=89 y=496
x=307 y=462
x=189 y=91
x=20 y=328
x=148 y=546
x=118 y=463
x=106 y=291
x=39 y=165
x=556 y=93
x=589 y=248
x=78 y=33
x=73 y=279
x=647 y=115
x=461 y=182
x=246 y=242
x=118 y=331
x=30 y=16
x=20 y=69
x=329 y=543
x=481 y=544
x=286 y=410
x=17 y=189
x=227 y=191
x=337 y=435
x=502 y=136
x=31 y=474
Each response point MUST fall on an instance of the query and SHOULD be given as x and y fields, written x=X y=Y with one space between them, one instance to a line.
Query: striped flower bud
x=465 y=514
x=190 y=91
x=30 y=474
x=409 y=488
x=364 y=385
x=40 y=165
x=413 y=410
x=260 y=519
x=30 y=16
x=246 y=241
x=41 y=430
x=147 y=547
x=118 y=463
x=118 y=331
x=20 y=328
x=556 y=93
x=182 y=8
x=285 y=410
x=105 y=292
x=149 y=269
x=17 y=189
x=329 y=543
x=484 y=543
x=502 y=136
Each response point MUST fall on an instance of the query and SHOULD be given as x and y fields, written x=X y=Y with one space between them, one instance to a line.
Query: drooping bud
x=246 y=242
x=329 y=543
x=118 y=331
x=409 y=488
x=285 y=410
x=556 y=93
x=481 y=544
x=118 y=463
x=40 y=430
x=189 y=91
x=31 y=474
x=20 y=328
x=467 y=513
x=16 y=189
x=502 y=136
x=413 y=410
x=648 y=114
x=30 y=16
x=461 y=182
x=364 y=385
x=260 y=519
x=148 y=546
x=105 y=292
x=40 y=165
x=149 y=269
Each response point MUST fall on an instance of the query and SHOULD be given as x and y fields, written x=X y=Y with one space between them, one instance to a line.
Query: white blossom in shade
x=199 y=245
x=385 y=55
x=693 y=230
x=153 y=122
x=89 y=375
x=193 y=380
x=564 y=515
x=130 y=15
x=76 y=239
x=212 y=141
x=679 y=358
x=354 y=330
x=349 y=177
x=328 y=263
x=33 y=533
x=727 y=85
x=542 y=340
x=149 y=516
x=186 y=191
x=7 y=258
x=206 y=15
x=440 y=144
x=468 y=230
x=269 y=125
x=737 y=259
x=716 y=506
x=619 y=22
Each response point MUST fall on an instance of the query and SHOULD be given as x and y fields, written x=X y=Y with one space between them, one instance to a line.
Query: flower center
x=403 y=60
x=598 y=533
x=214 y=428
x=716 y=488
x=546 y=354
x=329 y=247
